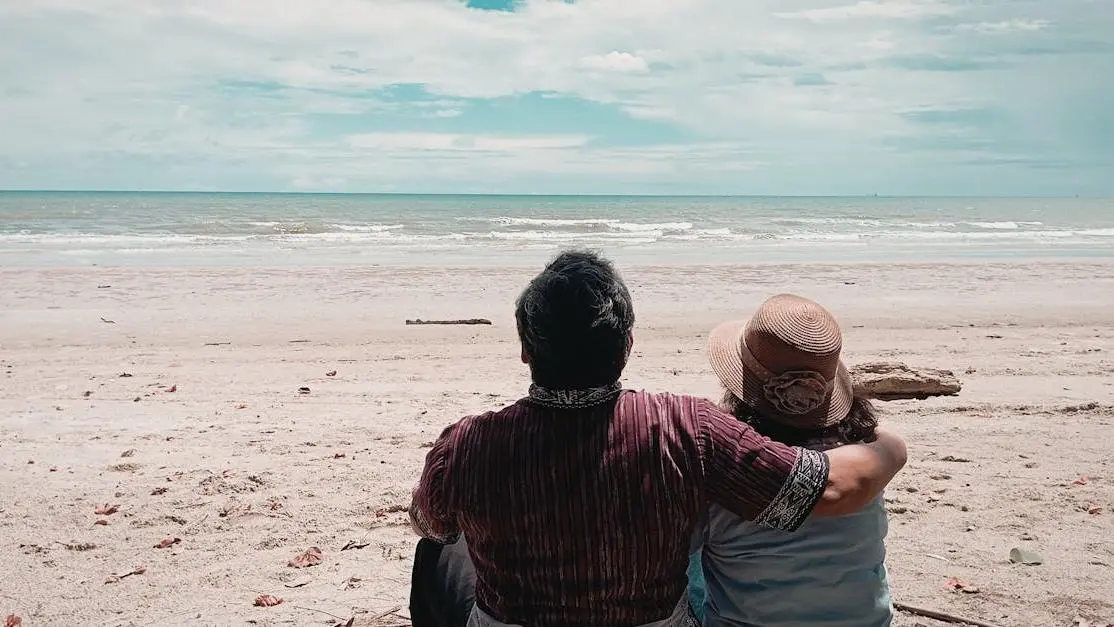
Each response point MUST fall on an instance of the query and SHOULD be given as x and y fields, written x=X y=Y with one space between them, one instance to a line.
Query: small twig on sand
x=942 y=616
x=310 y=609
x=386 y=614
x=218 y=343
x=468 y=321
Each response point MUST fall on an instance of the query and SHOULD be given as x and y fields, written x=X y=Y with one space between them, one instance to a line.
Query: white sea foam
x=598 y=223
x=1010 y=226
x=368 y=228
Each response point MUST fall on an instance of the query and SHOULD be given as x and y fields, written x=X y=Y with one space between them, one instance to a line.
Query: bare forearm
x=859 y=472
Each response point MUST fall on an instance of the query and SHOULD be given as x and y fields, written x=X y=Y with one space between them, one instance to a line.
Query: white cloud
x=1007 y=26
x=463 y=142
x=241 y=84
x=868 y=9
x=615 y=61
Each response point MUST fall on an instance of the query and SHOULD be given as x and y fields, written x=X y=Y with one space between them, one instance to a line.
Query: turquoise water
x=170 y=229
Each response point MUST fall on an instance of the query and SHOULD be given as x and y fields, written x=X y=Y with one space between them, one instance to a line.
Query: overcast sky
x=996 y=97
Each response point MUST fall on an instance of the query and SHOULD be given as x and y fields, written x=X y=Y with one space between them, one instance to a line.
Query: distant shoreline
x=547 y=195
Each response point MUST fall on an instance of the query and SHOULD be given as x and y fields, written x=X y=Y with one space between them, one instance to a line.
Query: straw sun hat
x=784 y=363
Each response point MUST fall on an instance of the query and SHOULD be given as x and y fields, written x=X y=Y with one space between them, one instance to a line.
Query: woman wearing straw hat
x=782 y=374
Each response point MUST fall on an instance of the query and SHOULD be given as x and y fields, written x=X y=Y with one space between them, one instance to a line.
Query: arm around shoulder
x=860 y=472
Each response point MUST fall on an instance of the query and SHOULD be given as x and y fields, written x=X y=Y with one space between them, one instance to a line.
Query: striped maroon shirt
x=584 y=515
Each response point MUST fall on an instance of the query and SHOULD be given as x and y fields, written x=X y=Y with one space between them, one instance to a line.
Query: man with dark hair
x=574 y=322
x=579 y=502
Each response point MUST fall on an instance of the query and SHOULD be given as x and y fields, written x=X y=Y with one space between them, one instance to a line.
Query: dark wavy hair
x=859 y=426
x=574 y=321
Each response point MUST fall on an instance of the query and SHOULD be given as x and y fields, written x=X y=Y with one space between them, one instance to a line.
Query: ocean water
x=203 y=229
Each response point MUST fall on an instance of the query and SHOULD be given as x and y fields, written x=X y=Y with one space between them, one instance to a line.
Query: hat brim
x=723 y=355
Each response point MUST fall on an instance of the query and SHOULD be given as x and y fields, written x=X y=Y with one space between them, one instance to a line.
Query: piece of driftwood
x=467 y=321
x=942 y=616
x=891 y=381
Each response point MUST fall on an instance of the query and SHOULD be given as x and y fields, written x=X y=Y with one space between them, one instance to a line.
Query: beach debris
x=1080 y=481
x=103 y=287
x=470 y=321
x=889 y=381
x=13 y=621
x=136 y=399
x=106 y=510
x=102 y=522
x=299 y=583
x=116 y=578
x=352 y=544
x=1019 y=555
x=267 y=600
x=311 y=557
x=241 y=406
x=941 y=616
x=303 y=390
x=80 y=548
x=331 y=373
x=87 y=393
x=339 y=456
x=218 y=343
x=128 y=467
x=128 y=453
x=125 y=375
x=352 y=583
x=380 y=615
x=172 y=389
x=1093 y=509
x=232 y=508
x=107 y=321
x=955 y=460
x=167 y=542
x=958 y=585
x=160 y=491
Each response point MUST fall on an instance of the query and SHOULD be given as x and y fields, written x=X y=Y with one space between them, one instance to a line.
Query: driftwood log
x=891 y=381
x=467 y=321
x=941 y=616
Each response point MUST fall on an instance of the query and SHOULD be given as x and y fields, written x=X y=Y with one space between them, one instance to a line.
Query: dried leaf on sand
x=267 y=600
x=13 y=621
x=312 y=557
x=167 y=543
x=106 y=510
x=958 y=585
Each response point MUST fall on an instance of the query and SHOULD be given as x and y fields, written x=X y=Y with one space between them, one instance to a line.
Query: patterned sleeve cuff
x=801 y=492
x=422 y=527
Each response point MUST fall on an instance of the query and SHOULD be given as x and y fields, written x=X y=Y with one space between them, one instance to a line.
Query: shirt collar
x=574 y=399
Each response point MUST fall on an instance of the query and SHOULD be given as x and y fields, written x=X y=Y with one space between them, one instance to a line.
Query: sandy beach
x=173 y=395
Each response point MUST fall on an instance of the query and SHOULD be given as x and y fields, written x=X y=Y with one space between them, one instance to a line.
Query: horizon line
x=536 y=195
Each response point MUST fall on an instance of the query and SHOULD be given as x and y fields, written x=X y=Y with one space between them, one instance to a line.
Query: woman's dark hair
x=859 y=426
x=574 y=322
